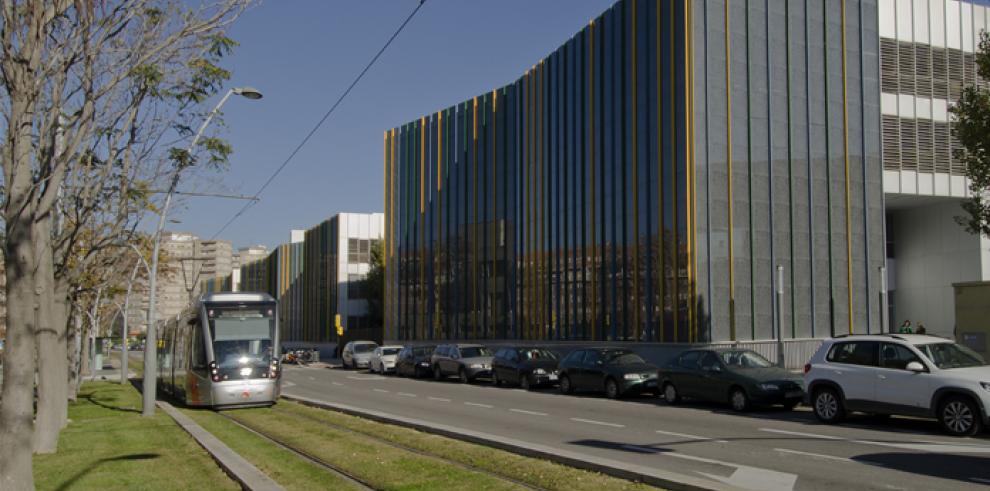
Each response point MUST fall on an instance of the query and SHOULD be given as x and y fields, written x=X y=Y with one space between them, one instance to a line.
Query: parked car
x=357 y=354
x=525 y=366
x=618 y=372
x=740 y=377
x=468 y=361
x=383 y=359
x=414 y=361
x=905 y=374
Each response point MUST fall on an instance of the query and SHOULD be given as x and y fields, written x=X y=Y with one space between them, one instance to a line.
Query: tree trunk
x=17 y=404
x=75 y=352
x=84 y=361
x=52 y=366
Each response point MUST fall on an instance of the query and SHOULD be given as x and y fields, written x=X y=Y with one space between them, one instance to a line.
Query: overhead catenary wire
x=319 y=123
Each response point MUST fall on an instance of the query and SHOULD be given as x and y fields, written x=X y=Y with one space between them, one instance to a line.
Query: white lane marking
x=637 y=448
x=690 y=437
x=817 y=455
x=523 y=411
x=745 y=476
x=600 y=423
x=798 y=433
x=380 y=390
x=475 y=404
x=311 y=378
x=365 y=378
x=438 y=399
x=406 y=394
x=939 y=448
x=338 y=384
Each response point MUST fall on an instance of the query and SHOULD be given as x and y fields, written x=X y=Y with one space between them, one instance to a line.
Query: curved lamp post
x=151 y=338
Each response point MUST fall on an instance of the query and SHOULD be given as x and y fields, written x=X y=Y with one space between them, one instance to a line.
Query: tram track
x=333 y=469
x=422 y=453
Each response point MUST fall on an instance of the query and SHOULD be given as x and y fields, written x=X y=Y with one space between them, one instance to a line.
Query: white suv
x=909 y=374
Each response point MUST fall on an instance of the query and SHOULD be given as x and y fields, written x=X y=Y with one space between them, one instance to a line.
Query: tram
x=221 y=352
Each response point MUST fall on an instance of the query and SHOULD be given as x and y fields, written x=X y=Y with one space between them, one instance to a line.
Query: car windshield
x=475 y=351
x=535 y=354
x=427 y=351
x=951 y=355
x=390 y=351
x=364 y=348
x=623 y=358
x=744 y=359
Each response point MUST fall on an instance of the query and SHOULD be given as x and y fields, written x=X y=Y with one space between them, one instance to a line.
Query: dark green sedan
x=740 y=377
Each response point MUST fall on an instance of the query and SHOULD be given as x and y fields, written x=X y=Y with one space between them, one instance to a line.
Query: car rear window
x=364 y=348
x=855 y=353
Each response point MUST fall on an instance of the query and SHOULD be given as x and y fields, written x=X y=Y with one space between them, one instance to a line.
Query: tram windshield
x=242 y=336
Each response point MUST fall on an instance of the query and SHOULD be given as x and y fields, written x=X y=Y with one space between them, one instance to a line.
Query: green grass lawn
x=109 y=445
x=382 y=465
x=537 y=472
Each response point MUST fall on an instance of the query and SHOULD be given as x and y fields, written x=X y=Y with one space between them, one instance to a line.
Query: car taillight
x=807 y=367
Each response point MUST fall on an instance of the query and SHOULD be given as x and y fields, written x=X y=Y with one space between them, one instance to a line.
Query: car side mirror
x=599 y=363
x=915 y=367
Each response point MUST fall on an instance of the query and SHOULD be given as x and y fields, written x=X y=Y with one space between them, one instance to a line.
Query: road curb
x=623 y=470
x=237 y=467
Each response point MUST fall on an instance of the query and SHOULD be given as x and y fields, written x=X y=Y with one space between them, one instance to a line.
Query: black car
x=739 y=377
x=414 y=361
x=617 y=372
x=526 y=366
x=467 y=361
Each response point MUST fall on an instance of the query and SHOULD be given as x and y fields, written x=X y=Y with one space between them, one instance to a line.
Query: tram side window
x=198 y=351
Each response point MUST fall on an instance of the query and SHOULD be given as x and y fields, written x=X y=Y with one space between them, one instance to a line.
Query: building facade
x=337 y=255
x=646 y=180
x=928 y=55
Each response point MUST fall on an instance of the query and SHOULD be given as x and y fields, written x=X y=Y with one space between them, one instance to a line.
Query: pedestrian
x=921 y=329
x=905 y=327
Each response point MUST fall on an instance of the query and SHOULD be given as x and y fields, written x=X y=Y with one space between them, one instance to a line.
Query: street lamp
x=151 y=338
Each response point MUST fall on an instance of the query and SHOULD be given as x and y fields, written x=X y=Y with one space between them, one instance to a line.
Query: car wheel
x=611 y=389
x=495 y=381
x=524 y=381
x=565 y=385
x=461 y=374
x=828 y=406
x=959 y=416
x=437 y=375
x=670 y=393
x=738 y=400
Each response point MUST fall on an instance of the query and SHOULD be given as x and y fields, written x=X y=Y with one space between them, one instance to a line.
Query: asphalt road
x=765 y=450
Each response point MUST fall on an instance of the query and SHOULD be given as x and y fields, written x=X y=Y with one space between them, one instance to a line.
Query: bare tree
x=86 y=88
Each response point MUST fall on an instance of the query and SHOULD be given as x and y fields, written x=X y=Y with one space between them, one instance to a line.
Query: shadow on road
x=966 y=468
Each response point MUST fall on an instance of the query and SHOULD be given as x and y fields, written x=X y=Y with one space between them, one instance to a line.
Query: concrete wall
x=931 y=252
x=972 y=309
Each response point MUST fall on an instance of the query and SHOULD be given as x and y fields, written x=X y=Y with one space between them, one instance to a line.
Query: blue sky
x=303 y=53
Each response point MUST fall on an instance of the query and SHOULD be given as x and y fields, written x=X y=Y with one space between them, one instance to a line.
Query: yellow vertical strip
x=474 y=224
x=728 y=161
x=387 y=239
x=845 y=152
x=673 y=129
x=593 y=297
x=637 y=306
x=689 y=121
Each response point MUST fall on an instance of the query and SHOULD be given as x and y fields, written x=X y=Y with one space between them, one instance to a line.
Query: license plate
x=552 y=376
x=793 y=393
